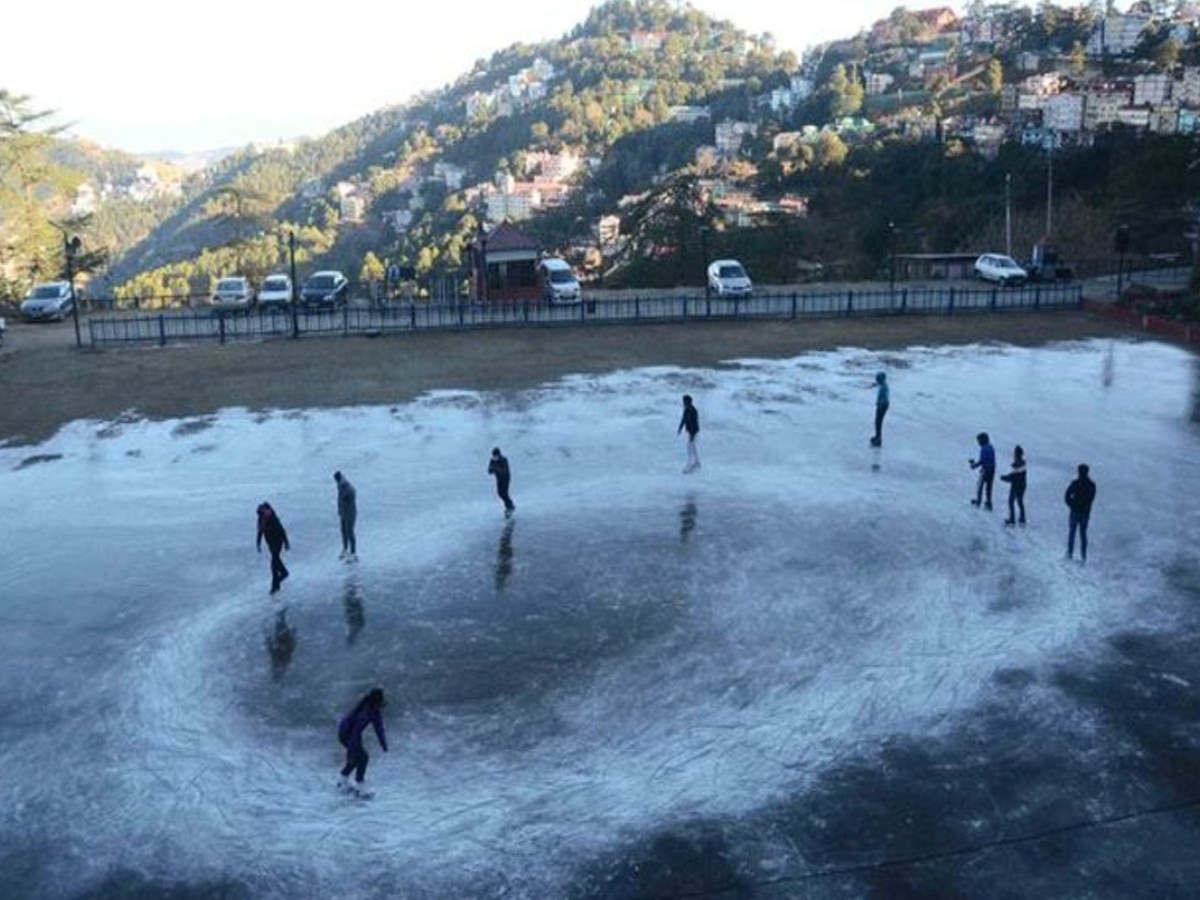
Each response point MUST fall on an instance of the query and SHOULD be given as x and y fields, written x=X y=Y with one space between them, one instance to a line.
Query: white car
x=276 y=290
x=559 y=283
x=50 y=300
x=728 y=278
x=1001 y=269
x=233 y=295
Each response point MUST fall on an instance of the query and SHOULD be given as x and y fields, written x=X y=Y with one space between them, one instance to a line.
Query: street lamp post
x=892 y=259
x=71 y=247
x=292 y=269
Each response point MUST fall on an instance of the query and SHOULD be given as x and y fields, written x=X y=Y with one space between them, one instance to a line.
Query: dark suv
x=325 y=289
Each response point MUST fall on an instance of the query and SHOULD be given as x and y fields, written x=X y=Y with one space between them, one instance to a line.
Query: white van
x=559 y=284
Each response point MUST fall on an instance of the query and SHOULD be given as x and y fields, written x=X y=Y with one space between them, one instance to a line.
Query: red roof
x=507 y=236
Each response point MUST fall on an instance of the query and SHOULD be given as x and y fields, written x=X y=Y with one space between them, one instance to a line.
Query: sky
x=230 y=72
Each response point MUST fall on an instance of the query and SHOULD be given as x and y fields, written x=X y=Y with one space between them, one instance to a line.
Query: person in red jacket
x=350 y=734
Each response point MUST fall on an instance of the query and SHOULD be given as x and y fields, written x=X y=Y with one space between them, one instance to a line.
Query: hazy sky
x=144 y=76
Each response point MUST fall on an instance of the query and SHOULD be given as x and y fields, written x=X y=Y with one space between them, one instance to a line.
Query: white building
x=1187 y=89
x=730 y=135
x=879 y=83
x=1117 y=35
x=689 y=115
x=1063 y=113
x=803 y=87
x=449 y=173
x=1103 y=107
x=1134 y=117
x=1151 y=90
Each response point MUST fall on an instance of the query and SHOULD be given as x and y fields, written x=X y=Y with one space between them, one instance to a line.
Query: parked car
x=233 y=294
x=325 y=289
x=727 y=278
x=1001 y=269
x=276 y=290
x=559 y=283
x=49 y=300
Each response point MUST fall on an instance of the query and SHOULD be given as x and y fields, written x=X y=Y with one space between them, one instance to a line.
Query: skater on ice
x=1016 y=487
x=1080 y=495
x=347 y=505
x=691 y=423
x=986 y=464
x=498 y=466
x=882 y=400
x=368 y=711
x=272 y=529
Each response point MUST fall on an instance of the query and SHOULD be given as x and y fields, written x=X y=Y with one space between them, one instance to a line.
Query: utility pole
x=1050 y=185
x=1008 y=214
x=292 y=267
x=71 y=247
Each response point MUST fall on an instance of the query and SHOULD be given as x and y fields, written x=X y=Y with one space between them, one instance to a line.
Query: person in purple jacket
x=350 y=733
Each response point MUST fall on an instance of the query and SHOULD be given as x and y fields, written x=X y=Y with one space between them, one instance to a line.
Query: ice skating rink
x=810 y=669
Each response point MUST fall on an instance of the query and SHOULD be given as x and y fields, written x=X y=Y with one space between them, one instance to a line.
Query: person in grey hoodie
x=347 y=502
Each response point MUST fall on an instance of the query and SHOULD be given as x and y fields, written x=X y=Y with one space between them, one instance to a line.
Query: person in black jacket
x=691 y=422
x=1080 y=495
x=498 y=466
x=1016 y=487
x=272 y=529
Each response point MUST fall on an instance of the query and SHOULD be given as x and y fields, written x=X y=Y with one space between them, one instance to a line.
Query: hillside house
x=1117 y=35
x=504 y=266
x=730 y=135
x=1187 y=89
x=1151 y=89
x=1063 y=113
x=1102 y=107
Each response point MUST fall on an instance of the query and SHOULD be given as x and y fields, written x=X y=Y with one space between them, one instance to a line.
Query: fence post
x=793 y=304
x=637 y=309
x=850 y=302
x=412 y=316
x=685 y=308
x=162 y=330
x=346 y=318
x=992 y=303
x=903 y=300
x=950 y=308
x=1037 y=297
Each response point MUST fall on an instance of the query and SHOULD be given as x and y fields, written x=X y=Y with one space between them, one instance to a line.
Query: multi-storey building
x=1152 y=89
x=1063 y=113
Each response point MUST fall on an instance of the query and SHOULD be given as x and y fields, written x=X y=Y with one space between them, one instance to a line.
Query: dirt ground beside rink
x=46 y=382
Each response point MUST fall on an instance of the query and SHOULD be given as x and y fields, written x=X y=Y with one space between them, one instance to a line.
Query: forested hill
x=619 y=73
x=651 y=136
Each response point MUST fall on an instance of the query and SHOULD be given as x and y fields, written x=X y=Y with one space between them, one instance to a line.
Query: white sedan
x=1001 y=269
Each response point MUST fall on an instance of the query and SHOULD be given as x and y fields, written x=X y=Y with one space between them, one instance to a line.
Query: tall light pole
x=1008 y=213
x=892 y=255
x=71 y=247
x=292 y=269
x=1049 y=184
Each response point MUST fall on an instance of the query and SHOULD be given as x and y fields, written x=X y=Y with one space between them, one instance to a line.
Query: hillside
x=651 y=136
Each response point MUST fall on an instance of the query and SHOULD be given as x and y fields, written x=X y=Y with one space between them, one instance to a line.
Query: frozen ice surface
x=776 y=675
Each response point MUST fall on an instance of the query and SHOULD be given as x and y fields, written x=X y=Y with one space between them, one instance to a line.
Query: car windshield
x=46 y=292
x=731 y=272
x=275 y=284
x=1004 y=262
x=561 y=276
x=320 y=282
x=229 y=284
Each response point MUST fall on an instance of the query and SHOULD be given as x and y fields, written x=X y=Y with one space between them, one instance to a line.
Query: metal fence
x=185 y=326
